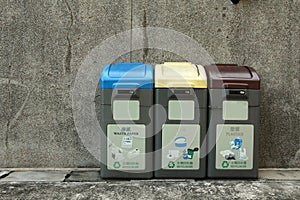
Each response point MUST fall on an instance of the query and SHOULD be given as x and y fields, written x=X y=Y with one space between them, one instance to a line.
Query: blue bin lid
x=127 y=75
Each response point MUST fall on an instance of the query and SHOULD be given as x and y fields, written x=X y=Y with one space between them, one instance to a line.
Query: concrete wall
x=44 y=42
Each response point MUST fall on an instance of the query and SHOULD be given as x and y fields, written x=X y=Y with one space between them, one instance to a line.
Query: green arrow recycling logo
x=225 y=164
x=171 y=164
x=117 y=165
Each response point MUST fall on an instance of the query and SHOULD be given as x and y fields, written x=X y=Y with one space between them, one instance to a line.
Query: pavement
x=86 y=184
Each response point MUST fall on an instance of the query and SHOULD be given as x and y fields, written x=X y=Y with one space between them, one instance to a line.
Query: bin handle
x=235 y=85
x=181 y=84
x=125 y=85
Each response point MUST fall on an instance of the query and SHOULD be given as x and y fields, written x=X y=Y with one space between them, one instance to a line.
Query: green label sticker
x=180 y=146
x=126 y=147
x=234 y=146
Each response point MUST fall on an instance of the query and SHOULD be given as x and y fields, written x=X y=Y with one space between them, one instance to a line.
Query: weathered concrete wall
x=43 y=44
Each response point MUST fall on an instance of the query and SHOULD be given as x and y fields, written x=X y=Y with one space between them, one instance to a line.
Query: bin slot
x=131 y=92
x=181 y=94
x=237 y=92
x=182 y=91
x=125 y=94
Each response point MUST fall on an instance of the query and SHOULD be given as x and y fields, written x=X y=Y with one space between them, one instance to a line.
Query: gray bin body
x=235 y=129
x=144 y=96
x=162 y=98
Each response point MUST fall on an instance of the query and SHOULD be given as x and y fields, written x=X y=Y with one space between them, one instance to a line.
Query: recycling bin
x=127 y=142
x=233 y=120
x=180 y=120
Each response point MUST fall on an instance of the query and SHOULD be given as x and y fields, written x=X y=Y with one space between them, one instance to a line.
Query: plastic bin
x=233 y=121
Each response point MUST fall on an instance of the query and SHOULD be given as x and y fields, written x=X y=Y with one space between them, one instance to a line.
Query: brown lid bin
x=231 y=76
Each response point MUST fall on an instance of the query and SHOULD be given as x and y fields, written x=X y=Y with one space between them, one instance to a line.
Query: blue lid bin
x=126 y=99
x=127 y=75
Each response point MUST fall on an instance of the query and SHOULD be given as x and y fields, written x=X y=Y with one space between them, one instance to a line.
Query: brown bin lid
x=231 y=76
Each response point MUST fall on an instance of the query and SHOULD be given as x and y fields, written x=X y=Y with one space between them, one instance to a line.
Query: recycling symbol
x=225 y=164
x=171 y=164
x=117 y=165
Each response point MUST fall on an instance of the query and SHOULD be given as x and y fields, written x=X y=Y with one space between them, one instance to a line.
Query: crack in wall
x=8 y=125
x=243 y=33
x=145 y=38
x=68 y=58
x=244 y=61
x=12 y=119
x=17 y=115
x=131 y=26
x=294 y=161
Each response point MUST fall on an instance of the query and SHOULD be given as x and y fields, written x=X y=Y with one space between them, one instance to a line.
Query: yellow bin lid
x=180 y=75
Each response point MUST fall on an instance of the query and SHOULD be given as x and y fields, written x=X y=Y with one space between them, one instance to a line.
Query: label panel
x=181 y=146
x=234 y=146
x=181 y=109
x=235 y=110
x=126 y=147
x=126 y=110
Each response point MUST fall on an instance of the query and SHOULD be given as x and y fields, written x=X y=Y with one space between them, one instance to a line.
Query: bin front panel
x=126 y=146
x=234 y=146
x=181 y=146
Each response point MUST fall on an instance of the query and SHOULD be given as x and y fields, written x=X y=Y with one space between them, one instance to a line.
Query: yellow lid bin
x=180 y=75
x=180 y=120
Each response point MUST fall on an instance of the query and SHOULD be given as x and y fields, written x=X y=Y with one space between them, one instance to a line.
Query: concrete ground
x=87 y=184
